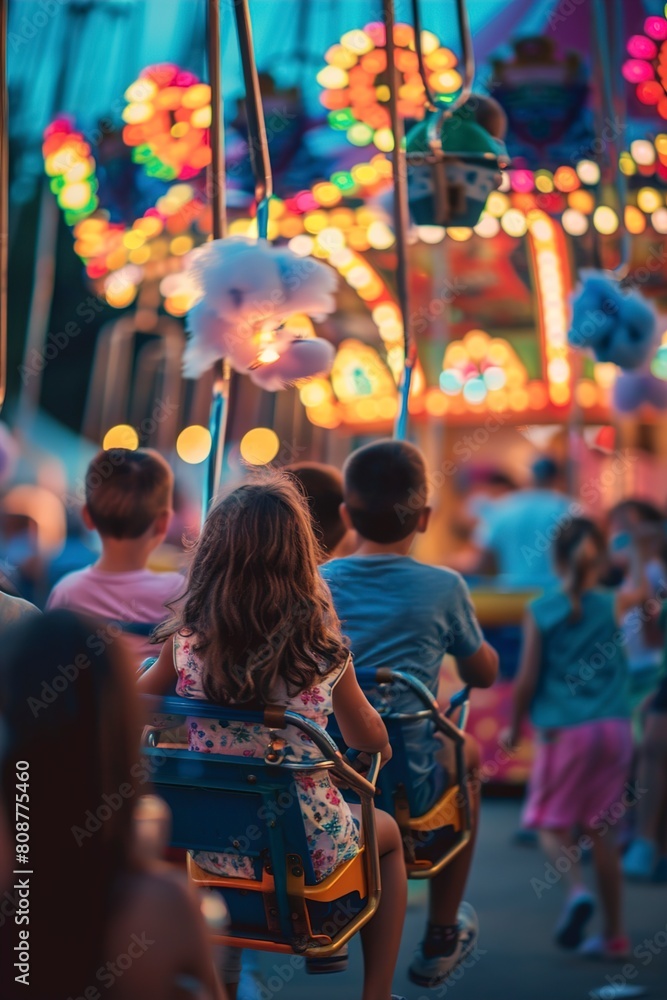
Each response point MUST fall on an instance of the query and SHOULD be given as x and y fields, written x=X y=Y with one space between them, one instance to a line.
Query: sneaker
x=616 y=949
x=570 y=928
x=432 y=971
x=338 y=962
x=660 y=872
x=640 y=859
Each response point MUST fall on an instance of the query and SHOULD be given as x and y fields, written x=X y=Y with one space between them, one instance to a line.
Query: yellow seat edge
x=445 y=812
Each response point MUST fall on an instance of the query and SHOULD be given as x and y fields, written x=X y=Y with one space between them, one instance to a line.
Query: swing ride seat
x=250 y=807
x=431 y=839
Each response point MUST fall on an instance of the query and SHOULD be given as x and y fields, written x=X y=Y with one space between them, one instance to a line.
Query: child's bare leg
x=447 y=888
x=607 y=859
x=381 y=937
x=557 y=844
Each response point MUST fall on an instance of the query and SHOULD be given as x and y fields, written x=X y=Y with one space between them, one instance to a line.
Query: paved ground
x=516 y=958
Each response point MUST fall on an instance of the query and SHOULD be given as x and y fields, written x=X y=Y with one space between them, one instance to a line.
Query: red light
x=649 y=92
x=96 y=269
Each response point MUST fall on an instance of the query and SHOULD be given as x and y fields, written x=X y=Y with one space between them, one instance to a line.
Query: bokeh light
x=193 y=444
x=575 y=223
x=259 y=446
x=121 y=436
x=605 y=220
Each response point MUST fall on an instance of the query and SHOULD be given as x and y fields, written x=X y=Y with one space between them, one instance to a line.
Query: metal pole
x=216 y=184
x=606 y=27
x=4 y=203
x=40 y=303
x=401 y=223
x=258 y=145
x=257 y=141
x=216 y=176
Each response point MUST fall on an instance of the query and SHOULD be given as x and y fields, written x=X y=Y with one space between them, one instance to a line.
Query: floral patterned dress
x=331 y=831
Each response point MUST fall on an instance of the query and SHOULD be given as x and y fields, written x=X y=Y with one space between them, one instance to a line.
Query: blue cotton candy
x=617 y=326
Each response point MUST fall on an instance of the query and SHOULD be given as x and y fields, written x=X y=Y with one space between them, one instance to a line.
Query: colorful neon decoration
x=553 y=284
x=647 y=66
x=355 y=79
x=485 y=371
x=329 y=222
x=167 y=118
x=70 y=165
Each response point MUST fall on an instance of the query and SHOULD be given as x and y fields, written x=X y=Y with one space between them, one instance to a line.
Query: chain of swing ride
x=261 y=166
x=401 y=209
x=606 y=34
x=4 y=205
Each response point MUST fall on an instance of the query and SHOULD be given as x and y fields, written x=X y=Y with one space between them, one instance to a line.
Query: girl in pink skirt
x=573 y=681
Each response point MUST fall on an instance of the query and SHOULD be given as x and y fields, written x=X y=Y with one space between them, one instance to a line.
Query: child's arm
x=526 y=680
x=160 y=678
x=476 y=660
x=360 y=725
x=481 y=669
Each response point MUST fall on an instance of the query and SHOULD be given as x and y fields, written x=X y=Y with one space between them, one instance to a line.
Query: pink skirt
x=578 y=774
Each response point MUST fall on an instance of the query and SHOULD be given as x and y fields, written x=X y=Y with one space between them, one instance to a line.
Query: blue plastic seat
x=230 y=804
x=431 y=839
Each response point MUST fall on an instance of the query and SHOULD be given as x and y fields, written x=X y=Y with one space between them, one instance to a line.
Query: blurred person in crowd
x=13 y=608
x=322 y=486
x=478 y=490
x=407 y=615
x=129 y=504
x=516 y=543
x=635 y=522
x=646 y=856
x=97 y=896
x=12 y=605
x=573 y=680
x=76 y=553
x=19 y=551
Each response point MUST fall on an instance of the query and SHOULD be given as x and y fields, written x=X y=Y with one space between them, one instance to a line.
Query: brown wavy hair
x=255 y=602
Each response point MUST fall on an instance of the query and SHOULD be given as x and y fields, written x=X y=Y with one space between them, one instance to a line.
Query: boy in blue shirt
x=403 y=614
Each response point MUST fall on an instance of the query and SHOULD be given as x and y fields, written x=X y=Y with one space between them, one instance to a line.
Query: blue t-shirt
x=583 y=667
x=403 y=614
x=520 y=531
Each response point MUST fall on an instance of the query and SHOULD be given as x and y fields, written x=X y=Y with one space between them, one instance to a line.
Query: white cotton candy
x=247 y=288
